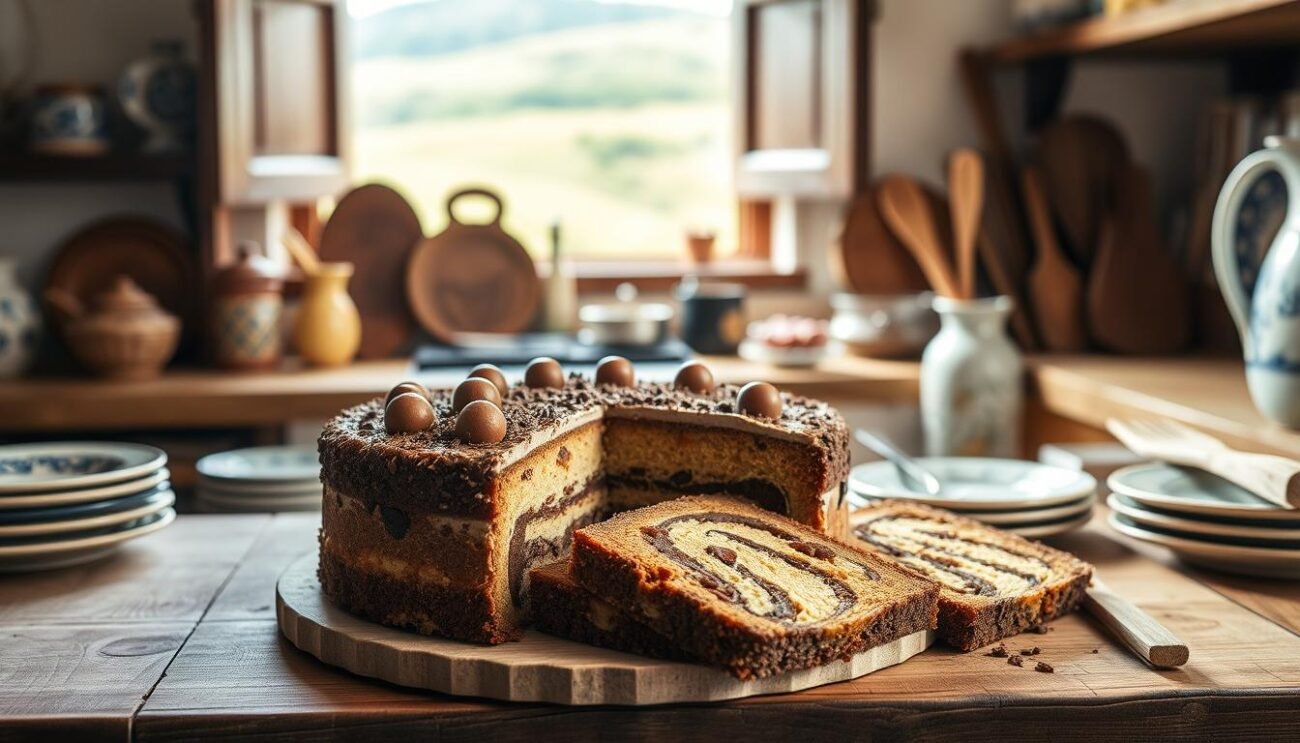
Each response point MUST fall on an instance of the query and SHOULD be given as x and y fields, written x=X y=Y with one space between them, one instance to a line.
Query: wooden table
x=175 y=637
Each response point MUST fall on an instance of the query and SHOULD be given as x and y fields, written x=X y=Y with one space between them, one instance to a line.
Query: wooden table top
x=175 y=637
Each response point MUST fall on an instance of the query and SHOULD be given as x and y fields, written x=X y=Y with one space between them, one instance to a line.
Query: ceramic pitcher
x=1268 y=317
x=971 y=381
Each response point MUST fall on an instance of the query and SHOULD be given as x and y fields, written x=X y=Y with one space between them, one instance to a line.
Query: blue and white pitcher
x=1267 y=315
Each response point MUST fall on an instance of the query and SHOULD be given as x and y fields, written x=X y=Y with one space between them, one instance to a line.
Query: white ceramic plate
x=151 y=480
x=1259 y=561
x=1192 y=491
x=1143 y=517
x=978 y=483
x=269 y=464
x=219 y=503
x=793 y=357
x=1035 y=516
x=45 y=555
x=40 y=468
x=1052 y=528
x=164 y=499
x=258 y=489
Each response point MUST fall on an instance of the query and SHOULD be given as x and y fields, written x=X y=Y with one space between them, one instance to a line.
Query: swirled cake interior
x=431 y=532
x=994 y=583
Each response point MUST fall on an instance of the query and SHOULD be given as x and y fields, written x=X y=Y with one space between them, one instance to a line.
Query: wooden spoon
x=966 y=200
x=1137 y=297
x=301 y=251
x=1081 y=158
x=907 y=211
x=1055 y=289
x=871 y=260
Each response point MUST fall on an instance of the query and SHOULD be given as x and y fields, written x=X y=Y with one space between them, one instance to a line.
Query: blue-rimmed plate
x=18 y=516
x=1194 y=492
x=44 y=553
x=978 y=483
x=263 y=464
x=85 y=495
x=73 y=465
x=124 y=511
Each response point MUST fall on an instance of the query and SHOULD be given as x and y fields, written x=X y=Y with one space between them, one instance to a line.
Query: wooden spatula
x=1148 y=639
x=1055 y=288
x=1137 y=296
x=1275 y=479
x=1081 y=158
x=908 y=213
x=966 y=200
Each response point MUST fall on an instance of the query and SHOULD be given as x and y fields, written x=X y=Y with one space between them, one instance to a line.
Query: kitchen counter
x=1209 y=394
x=175 y=638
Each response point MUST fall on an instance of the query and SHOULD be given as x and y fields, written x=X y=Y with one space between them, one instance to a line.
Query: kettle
x=1268 y=318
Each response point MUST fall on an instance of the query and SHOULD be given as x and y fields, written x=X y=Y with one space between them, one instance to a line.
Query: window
x=612 y=116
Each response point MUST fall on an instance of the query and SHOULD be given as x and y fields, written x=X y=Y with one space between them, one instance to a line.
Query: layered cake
x=437 y=503
x=994 y=583
x=740 y=587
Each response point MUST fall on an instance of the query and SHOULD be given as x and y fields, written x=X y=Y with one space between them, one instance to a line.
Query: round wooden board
x=539 y=668
x=375 y=229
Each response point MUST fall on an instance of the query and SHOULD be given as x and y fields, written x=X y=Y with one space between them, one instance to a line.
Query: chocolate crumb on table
x=1016 y=660
x=1039 y=629
x=998 y=652
x=1094 y=651
x=1044 y=668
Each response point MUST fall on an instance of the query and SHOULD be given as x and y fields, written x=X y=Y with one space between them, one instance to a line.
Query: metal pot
x=624 y=323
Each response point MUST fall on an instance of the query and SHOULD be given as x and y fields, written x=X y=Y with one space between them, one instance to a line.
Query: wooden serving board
x=539 y=668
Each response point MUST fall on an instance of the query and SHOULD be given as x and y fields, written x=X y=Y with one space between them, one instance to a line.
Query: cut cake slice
x=743 y=588
x=995 y=584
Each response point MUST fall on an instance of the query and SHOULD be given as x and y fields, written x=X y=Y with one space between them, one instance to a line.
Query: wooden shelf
x=1178 y=27
x=112 y=167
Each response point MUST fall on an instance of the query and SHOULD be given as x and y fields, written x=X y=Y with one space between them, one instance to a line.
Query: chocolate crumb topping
x=1016 y=660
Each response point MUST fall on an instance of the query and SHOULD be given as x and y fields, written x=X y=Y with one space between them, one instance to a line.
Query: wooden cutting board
x=871 y=260
x=539 y=668
x=374 y=228
x=1137 y=295
x=472 y=278
x=1082 y=158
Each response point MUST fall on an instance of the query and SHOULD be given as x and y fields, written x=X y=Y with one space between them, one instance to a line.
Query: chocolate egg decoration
x=408 y=412
x=404 y=387
x=760 y=400
x=694 y=376
x=481 y=422
x=473 y=389
x=615 y=370
x=544 y=372
x=492 y=374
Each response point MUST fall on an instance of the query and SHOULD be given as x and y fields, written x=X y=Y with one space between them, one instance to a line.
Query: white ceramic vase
x=20 y=323
x=971 y=381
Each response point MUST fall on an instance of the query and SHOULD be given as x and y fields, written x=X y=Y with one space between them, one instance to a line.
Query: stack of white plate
x=1030 y=499
x=265 y=478
x=1205 y=520
x=69 y=503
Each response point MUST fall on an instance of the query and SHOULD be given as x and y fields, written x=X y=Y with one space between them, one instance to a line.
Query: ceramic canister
x=971 y=381
x=712 y=316
x=247 y=302
x=20 y=323
x=69 y=120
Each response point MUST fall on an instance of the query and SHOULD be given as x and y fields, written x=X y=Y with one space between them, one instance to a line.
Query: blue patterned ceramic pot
x=69 y=120
x=20 y=324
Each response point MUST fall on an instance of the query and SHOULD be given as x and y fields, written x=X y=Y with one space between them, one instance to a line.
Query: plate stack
x=1205 y=520
x=267 y=478
x=68 y=503
x=1030 y=499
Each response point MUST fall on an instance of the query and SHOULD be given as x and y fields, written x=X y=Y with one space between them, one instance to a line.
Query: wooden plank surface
x=240 y=677
x=250 y=592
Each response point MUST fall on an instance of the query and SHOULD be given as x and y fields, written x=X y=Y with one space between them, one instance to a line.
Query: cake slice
x=563 y=608
x=743 y=588
x=995 y=584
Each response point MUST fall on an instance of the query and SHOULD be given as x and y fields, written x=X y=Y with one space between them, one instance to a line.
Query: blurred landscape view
x=612 y=117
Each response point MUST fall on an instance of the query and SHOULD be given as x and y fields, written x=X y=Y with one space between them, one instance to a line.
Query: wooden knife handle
x=1275 y=479
x=1149 y=639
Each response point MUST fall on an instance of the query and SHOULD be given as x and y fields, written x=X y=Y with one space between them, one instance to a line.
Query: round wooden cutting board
x=472 y=278
x=375 y=230
x=539 y=668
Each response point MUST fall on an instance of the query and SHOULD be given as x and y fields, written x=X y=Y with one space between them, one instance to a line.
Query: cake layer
x=994 y=583
x=743 y=588
x=563 y=608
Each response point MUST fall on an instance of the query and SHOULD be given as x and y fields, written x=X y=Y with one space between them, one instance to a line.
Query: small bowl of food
x=787 y=340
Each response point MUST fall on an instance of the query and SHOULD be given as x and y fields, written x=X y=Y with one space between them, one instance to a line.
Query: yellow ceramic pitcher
x=327 y=331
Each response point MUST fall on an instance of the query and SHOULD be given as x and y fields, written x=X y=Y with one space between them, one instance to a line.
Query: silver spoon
x=910 y=472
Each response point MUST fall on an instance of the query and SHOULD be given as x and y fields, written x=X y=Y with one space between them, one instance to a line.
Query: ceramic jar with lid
x=124 y=334
x=247 y=302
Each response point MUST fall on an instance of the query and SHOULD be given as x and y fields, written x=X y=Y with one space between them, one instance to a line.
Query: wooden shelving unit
x=112 y=167
x=1178 y=27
